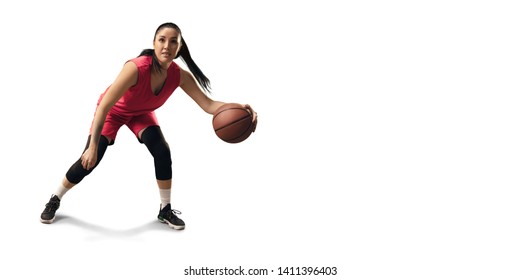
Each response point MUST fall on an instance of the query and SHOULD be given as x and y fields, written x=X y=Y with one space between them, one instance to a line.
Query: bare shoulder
x=130 y=66
x=186 y=77
x=129 y=70
x=128 y=75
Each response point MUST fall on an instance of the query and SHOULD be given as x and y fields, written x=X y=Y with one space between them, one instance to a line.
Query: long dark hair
x=184 y=53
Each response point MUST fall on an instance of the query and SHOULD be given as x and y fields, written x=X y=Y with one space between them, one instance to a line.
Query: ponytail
x=184 y=54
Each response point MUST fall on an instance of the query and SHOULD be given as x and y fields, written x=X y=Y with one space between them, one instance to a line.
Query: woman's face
x=166 y=44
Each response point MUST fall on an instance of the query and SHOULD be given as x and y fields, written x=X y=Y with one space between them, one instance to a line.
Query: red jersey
x=139 y=99
x=136 y=107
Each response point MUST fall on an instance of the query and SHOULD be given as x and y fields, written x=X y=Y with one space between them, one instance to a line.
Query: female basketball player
x=143 y=85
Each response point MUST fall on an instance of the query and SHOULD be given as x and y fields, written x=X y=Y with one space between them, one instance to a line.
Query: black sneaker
x=48 y=213
x=167 y=215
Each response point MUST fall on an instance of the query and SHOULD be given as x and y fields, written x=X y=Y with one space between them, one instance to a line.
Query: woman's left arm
x=192 y=88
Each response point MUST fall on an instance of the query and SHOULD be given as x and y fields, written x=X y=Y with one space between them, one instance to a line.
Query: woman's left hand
x=254 y=114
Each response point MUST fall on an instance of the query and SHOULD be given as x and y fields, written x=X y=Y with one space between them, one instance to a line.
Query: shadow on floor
x=103 y=231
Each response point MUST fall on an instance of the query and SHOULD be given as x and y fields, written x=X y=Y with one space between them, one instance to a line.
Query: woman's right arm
x=126 y=78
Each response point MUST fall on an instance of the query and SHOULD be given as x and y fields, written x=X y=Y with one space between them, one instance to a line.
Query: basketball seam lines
x=229 y=124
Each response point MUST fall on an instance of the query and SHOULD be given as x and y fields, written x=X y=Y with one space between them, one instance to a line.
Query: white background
x=387 y=143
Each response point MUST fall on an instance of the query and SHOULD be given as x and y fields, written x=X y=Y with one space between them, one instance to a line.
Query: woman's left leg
x=153 y=138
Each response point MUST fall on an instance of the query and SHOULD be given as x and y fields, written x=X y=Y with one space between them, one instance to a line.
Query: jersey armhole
x=138 y=73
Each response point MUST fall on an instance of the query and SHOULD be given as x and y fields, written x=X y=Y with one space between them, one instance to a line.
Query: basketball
x=232 y=123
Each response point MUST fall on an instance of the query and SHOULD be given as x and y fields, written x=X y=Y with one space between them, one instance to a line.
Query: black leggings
x=154 y=140
x=76 y=172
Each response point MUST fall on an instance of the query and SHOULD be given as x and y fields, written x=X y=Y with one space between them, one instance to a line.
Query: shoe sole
x=47 y=221
x=172 y=225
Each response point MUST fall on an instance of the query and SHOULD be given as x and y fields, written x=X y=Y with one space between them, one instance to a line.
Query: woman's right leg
x=74 y=175
x=76 y=172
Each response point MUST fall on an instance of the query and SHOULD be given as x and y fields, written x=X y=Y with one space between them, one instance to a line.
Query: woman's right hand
x=89 y=158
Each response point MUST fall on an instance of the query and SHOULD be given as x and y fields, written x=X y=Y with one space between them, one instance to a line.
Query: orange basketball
x=232 y=123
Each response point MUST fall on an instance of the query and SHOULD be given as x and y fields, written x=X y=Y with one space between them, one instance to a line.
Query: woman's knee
x=154 y=140
x=76 y=172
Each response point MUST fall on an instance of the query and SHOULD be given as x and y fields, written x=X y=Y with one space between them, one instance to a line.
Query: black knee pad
x=76 y=172
x=154 y=140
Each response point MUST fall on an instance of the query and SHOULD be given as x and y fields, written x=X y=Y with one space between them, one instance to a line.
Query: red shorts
x=136 y=124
